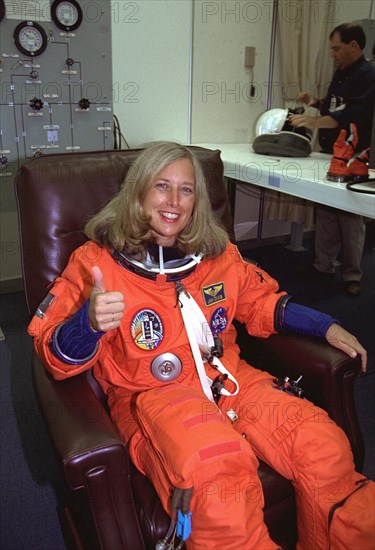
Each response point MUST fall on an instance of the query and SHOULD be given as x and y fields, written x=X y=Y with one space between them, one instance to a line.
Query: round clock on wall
x=66 y=14
x=30 y=38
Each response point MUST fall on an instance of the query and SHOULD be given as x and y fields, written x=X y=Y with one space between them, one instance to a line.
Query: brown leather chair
x=107 y=503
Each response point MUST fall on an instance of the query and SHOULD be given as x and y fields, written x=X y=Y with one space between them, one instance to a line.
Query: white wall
x=351 y=10
x=152 y=58
x=223 y=109
x=151 y=41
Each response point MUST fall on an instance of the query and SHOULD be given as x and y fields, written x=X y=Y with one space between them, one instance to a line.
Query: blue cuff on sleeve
x=74 y=342
x=305 y=320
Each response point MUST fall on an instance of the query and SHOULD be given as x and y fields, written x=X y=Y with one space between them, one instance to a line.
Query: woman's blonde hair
x=122 y=224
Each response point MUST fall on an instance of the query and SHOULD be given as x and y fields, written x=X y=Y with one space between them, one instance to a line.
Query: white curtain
x=306 y=65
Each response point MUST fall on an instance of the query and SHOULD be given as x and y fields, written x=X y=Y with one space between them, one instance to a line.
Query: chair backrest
x=56 y=194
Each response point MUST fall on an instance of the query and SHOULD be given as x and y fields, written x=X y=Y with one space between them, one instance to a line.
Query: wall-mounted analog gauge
x=2 y=9
x=30 y=38
x=66 y=14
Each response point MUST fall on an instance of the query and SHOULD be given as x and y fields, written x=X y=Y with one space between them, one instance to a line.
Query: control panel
x=56 y=91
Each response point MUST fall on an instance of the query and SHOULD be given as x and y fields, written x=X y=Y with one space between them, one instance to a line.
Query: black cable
x=351 y=186
x=114 y=133
x=118 y=135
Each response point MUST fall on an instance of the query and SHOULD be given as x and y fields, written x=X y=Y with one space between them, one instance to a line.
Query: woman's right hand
x=106 y=309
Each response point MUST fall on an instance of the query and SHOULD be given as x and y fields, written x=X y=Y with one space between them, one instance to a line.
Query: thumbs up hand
x=106 y=309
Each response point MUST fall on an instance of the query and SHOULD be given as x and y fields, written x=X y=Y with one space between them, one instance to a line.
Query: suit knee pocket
x=352 y=518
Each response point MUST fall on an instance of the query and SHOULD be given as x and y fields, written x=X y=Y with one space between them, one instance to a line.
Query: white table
x=300 y=177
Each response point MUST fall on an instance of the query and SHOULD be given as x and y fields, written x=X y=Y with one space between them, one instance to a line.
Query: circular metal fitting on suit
x=166 y=367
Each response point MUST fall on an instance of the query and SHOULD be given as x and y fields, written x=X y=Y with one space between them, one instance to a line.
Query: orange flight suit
x=179 y=438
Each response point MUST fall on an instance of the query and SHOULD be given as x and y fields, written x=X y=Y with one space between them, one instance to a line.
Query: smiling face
x=169 y=201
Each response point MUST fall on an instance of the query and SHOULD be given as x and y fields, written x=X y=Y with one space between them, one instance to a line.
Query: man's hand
x=105 y=308
x=312 y=121
x=342 y=339
x=302 y=120
x=305 y=97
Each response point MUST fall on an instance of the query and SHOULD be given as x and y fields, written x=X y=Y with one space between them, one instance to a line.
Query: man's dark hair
x=349 y=32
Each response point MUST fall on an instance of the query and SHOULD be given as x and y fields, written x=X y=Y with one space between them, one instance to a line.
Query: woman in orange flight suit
x=142 y=302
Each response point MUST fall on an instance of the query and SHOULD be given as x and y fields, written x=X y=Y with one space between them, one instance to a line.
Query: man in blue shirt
x=350 y=99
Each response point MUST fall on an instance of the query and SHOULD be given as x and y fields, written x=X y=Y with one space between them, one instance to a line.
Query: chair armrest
x=93 y=456
x=328 y=375
x=78 y=424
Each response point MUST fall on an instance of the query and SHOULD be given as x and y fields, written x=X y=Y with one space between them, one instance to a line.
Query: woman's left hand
x=344 y=340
